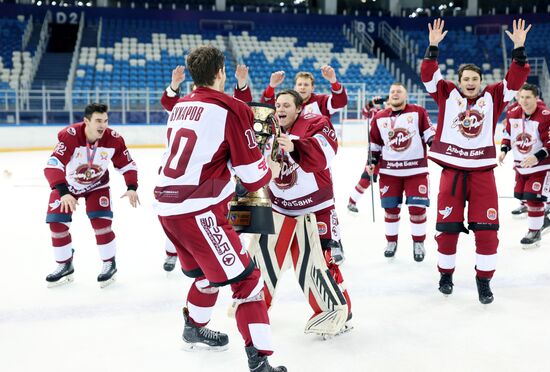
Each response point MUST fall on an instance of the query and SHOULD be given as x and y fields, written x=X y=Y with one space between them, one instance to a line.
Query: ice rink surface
x=402 y=322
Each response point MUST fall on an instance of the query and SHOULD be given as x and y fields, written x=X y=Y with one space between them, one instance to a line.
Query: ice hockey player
x=78 y=167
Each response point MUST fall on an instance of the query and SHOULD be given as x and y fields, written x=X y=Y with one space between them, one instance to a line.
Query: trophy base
x=251 y=219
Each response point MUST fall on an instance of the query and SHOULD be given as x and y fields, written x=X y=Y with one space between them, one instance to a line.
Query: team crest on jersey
x=423 y=189
x=384 y=190
x=545 y=112
x=400 y=139
x=103 y=155
x=492 y=214
x=322 y=227
x=104 y=201
x=55 y=204
x=115 y=134
x=446 y=212
x=409 y=119
x=524 y=143
x=71 y=131
x=86 y=175
x=469 y=126
x=288 y=175
x=536 y=186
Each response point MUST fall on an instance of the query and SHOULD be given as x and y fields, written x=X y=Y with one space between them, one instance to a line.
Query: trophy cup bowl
x=251 y=213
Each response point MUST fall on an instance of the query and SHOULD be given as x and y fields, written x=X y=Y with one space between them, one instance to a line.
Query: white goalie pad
x=297 y=241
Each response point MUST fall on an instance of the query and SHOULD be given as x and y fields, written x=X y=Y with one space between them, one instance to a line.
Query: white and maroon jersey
x=526 y=135
x=84 y=167
x=465 y=127
x=170 y=98
x=400 y=138
x=210 y=138
x=320 y=104
x=304 y=184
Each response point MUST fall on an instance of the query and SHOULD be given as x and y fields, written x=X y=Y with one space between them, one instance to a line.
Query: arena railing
x=139 y=106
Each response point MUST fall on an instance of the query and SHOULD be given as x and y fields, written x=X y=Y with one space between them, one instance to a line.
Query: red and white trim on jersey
x=465 y=128
x=400 y=140
x=210 y=139
x=528 y=135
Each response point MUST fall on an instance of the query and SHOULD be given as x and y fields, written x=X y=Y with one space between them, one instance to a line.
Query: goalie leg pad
x=323 y=293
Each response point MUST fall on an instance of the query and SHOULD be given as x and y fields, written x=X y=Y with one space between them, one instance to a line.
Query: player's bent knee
x=486 y=239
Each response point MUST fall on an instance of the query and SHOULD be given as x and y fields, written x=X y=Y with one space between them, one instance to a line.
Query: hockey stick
x=369 y=162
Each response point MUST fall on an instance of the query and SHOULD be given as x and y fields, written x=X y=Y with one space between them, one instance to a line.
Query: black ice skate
x=418 y=251
x=170 y=263
x=520 y=212
x=531 y=239
x=257 y=363
x=352 y=207
x=107 y=275
x=446 y=284
x=484 y=290
x=202 y=338
x=63 y=274
x=390 y=249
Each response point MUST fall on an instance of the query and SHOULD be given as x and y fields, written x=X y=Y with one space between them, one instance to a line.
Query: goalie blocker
x=298 y=239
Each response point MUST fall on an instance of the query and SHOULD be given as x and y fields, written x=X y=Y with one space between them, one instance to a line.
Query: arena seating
x=15 y=65
x=461 y=46
x=140 y=55
x=301 y=48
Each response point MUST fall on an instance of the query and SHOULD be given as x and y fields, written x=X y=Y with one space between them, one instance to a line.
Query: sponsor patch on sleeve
x=53 y=161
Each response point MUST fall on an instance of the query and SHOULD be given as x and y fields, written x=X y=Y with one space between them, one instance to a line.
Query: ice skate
x=390 y=249
x=418 y=251
x=484 y=290
x=257 y=363
x=202 y=338
x=170 y=263
x=531 y=239
x=63 y=274
x=352 y=207
x=520 y=212
x=446 y=284
x=107 y=275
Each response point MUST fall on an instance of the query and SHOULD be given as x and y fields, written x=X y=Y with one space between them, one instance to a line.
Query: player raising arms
x=464 y=146
x=304 y=83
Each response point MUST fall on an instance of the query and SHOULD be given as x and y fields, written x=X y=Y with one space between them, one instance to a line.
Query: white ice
x=402 y=322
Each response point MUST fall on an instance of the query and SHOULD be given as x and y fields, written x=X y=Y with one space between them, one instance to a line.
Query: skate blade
x=346 y=329
x=65 y=280
x=107 y=282
x=194 y=347
x=530 y=246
